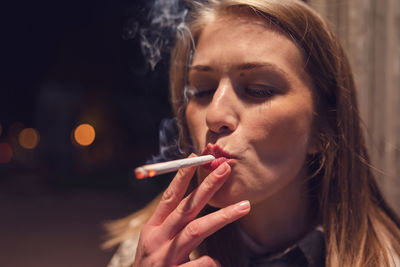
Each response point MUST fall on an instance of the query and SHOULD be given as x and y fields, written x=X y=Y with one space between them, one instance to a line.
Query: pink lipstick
x=220 y=155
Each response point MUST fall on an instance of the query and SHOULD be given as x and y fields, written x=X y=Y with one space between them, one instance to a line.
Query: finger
x=204 y=261
x=190 y=207
x=196 y=231
x=173 y=194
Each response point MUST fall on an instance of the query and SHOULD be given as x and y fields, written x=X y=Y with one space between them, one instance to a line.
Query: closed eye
x=203 y=93
x=260 y=91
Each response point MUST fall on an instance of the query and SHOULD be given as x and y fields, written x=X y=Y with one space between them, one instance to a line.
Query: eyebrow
x=201 y=68
x=242 y=67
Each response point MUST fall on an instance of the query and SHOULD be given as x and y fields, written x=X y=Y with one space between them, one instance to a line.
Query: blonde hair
x=360 y=228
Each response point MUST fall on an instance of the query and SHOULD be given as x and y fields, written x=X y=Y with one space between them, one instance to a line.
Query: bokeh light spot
x=6 y=153
x=84 y=134
x=28 y=138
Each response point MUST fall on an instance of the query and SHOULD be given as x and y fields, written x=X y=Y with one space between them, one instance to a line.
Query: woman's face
x=253 y=103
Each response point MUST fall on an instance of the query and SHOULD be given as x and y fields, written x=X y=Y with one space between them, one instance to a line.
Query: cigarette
x=151 y=170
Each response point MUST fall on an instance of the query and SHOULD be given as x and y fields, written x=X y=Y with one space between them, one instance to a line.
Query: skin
x=253 y=99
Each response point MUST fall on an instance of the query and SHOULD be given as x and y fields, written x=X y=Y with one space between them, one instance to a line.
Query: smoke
x=168 y=142
x=159 y=31
x=130 y=29
x=164 y=22
x=188 y=93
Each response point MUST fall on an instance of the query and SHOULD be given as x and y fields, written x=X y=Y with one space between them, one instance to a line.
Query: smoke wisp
x=168 y=142
x=164 y=17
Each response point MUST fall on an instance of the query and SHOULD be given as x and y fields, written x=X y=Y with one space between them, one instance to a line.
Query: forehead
x=234 y=39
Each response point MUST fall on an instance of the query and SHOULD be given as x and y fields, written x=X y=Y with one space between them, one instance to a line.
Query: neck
x=281 y=220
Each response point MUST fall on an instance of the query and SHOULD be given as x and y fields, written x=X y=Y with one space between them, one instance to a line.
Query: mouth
x=220 y=155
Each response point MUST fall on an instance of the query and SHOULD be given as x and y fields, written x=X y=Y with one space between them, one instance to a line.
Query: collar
x=309 y=251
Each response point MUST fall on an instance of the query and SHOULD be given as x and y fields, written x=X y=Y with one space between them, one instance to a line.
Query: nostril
x=224 y=129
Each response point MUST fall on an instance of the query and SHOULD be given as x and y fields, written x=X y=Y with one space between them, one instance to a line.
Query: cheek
x=292 y=128
x=282 y=132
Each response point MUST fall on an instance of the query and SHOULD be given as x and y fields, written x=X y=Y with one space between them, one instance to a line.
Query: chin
x=230 y=193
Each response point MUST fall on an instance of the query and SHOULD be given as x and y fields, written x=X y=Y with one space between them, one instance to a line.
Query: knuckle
x=145 y=245
x=225 y=215
x=168 y=194
x=193 y=229
x=155 y=262
x=184 y=208
x=207 y=185
x=147 y=261
x=148 y=251
x=181 y=172
x=147 y=241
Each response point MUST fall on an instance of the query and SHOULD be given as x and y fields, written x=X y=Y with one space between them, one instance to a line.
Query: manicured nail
x=243 y=206
x=221 y=169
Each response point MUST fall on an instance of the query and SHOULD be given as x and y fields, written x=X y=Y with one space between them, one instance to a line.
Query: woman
x=265 y=86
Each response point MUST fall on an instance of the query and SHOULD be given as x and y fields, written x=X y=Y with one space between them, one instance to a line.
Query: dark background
x=64 y=63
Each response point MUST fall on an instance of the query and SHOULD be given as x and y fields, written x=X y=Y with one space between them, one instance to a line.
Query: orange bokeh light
x=6 y=153
x=84 y=134
x=28 y=138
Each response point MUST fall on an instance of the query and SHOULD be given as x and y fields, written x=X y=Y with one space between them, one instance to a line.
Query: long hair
x=360 y=228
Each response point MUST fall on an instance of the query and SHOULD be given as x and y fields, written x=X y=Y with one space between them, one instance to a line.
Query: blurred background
x=80 y=108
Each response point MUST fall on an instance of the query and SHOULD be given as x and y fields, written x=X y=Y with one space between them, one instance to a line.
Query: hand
x=173 y=231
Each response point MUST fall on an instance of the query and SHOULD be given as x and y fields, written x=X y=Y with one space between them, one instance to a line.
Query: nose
x=222 y=113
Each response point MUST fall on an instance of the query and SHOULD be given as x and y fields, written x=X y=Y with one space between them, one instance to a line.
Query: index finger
x=196 y=231
x=173 y=194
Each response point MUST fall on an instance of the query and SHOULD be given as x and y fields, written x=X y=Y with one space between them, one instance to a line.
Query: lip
x=220 y=155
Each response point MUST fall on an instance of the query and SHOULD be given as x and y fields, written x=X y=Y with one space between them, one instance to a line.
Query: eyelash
x=203 y=93
x=264 y=92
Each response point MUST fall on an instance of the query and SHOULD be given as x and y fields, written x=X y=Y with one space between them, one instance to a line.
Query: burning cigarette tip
x=141 y=173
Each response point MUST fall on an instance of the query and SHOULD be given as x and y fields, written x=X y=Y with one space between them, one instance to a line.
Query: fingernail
x=221 y=169
x=243 y=206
